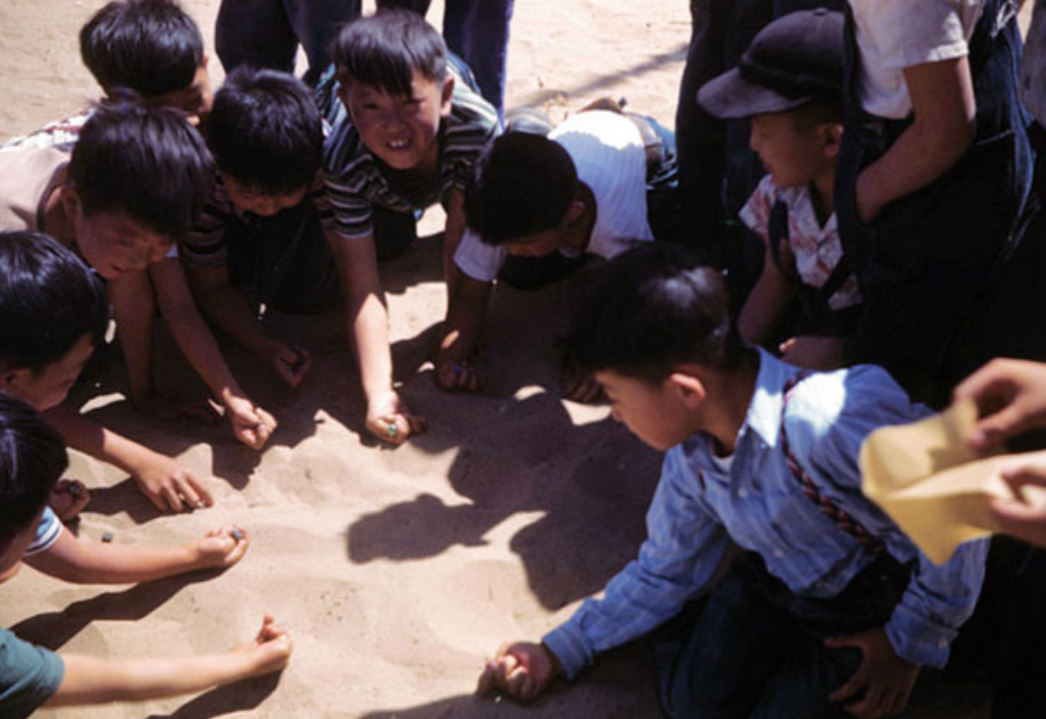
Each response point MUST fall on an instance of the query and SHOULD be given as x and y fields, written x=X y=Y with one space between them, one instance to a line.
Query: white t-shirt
x=896 y=34
x=607 y=151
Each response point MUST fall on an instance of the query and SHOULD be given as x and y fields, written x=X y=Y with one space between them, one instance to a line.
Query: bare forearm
x=369 y=330
x=465 y=318
x=82 y=562
x=92 y=680
x=91 y=438
x=766 y=305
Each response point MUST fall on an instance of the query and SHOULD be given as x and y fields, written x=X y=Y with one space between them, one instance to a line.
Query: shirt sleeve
x=938 y=599
x=477 y=259
x=204 y=245
x=29 y=676
x=350 y=213
x=47 y=533
x=916 y=32
x=684 y=547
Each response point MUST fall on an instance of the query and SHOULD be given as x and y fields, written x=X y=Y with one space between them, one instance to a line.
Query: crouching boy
x=830 y=608
x=31 y=460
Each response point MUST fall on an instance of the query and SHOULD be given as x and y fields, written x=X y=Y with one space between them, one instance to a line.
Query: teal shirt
x=29 y=676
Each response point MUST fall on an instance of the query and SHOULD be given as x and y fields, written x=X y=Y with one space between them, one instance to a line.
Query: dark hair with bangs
x=145 y=161
x=649 y=310
x=385 y=49
x=32 y=458
x=150 y=46
x=265 y=131
x=521 y=184
x=49 y=301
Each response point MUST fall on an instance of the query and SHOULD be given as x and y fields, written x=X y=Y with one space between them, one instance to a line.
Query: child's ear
x=11 y=379
x=70 y=200
x=691 y=388
x=831 y=139
x=575 y=211
x=446 y=95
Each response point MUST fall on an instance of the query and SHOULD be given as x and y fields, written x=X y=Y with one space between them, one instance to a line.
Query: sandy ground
x=397 y=572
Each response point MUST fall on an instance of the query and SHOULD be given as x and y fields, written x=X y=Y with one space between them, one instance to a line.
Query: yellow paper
x=933 y=484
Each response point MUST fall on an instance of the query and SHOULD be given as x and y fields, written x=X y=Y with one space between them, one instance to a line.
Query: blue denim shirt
x=701 y=505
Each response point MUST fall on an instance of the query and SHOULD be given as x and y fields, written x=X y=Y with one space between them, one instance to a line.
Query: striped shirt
x=755 y=501
x=60 y=135
x=204 y=247
x=355 y=181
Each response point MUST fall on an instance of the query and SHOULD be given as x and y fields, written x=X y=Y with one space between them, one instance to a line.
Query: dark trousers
x=266 y=33
x=752 y=648
x=478 y=32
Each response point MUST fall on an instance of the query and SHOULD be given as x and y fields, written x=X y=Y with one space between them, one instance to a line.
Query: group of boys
x=164 y=199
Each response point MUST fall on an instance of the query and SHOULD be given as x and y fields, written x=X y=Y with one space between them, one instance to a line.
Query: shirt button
x=742 y=493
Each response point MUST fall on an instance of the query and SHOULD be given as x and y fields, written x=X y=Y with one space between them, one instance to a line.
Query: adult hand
x=170 y=486
x=1020 y=519
x=390 y=420
x=882 y=683
x=251 y=424
x=522 y=670
x=290 y=363
x=1010 y=396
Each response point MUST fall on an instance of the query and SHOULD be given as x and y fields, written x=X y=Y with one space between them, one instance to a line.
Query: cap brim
x=731 y=97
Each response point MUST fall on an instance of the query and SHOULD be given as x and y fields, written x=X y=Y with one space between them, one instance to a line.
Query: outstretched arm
x=251 y=424
x=388 y=418
x=93 y=680
x=83 y=562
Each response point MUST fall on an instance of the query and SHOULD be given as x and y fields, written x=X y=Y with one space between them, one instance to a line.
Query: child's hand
x=459 y=375
x=221 y=548
x=170 y=486
x=818 y=353
x=1015 y=517
x=251 y=424
x=270 y=651
x=391 y=421
x=68 y=497
x=882 y=684
x=290 y=363
x=1010 y=396
x=522 y=670
x=579 y=387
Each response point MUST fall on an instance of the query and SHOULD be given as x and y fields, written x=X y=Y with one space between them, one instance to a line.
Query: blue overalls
x=924 y=263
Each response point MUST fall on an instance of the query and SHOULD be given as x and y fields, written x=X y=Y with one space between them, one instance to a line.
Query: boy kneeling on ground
x=830 y=608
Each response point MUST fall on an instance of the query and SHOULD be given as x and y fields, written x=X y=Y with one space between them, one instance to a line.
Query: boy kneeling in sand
x=580 y=191
x=32 y=457
x=830 y=609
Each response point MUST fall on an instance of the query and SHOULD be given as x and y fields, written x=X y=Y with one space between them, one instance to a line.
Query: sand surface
x=397 y=571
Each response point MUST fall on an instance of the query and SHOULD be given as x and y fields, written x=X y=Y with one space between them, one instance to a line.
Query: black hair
x=49 y=300
x=32 y=458
x=649 y=310
x=385 y=49
x=521 y=184
x=824 y=110
x=265 y=131
x=150 y=46
x=145 y=161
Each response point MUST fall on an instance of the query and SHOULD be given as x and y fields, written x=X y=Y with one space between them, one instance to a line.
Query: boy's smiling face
x=660 y=414
x=401 y=131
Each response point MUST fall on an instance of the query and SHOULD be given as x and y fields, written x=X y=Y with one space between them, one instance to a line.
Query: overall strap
x=824 y=503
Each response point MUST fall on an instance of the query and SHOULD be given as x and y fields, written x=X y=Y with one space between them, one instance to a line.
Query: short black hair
x=649 y=310
x=150 y=46
x=265 y=131
x=385 y=49
x=145 y=161
x=49 y=300
x=521 y=183
x=32 y=458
